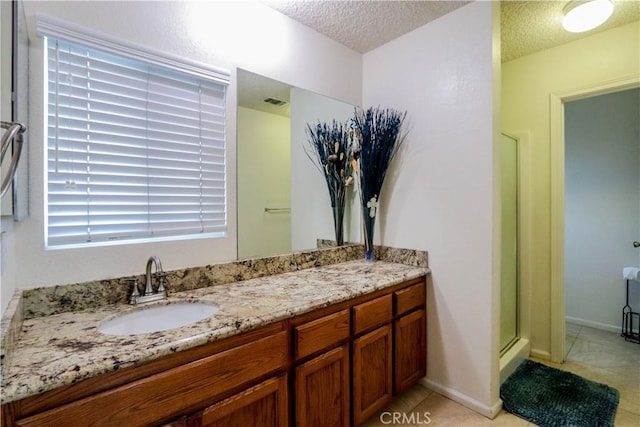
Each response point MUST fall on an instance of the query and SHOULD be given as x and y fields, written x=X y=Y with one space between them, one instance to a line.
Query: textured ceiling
x=364 y=25
x=527 y=26
x=531 y=26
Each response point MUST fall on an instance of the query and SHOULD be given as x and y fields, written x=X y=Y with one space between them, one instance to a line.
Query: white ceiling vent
x=275 y=101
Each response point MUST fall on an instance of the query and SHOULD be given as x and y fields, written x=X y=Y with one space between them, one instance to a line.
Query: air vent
x=276 y=102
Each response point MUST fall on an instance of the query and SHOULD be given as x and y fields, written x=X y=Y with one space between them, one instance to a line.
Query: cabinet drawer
x=409 y=298
x=149 y=400
x=372 y=313
x=321 y=333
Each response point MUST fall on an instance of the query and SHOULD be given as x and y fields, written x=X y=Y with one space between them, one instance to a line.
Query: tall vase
x=369 y=224
x=369 y=211
x=338 y=223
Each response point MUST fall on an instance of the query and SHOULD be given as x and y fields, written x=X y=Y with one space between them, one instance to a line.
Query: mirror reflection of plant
x=329 y=149
x=377 y=138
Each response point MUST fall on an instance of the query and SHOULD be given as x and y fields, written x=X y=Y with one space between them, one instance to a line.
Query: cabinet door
x=322 y=390
x=410 y=350
x=262 y=405
x=372 y=373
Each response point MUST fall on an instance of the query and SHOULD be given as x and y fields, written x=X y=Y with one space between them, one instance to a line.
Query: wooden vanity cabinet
x=333 y=367
x=362 y=352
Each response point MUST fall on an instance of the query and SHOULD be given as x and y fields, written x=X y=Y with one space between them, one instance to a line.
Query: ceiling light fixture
x=581 y=16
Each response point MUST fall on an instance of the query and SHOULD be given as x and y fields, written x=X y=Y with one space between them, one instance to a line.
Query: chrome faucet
x=148 y=290
x=149 y=293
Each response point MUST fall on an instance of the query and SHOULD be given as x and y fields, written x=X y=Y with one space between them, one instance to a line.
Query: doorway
x=558 y=226
x=602 y=206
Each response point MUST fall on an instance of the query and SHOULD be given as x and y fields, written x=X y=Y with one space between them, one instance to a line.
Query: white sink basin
x=157 y=318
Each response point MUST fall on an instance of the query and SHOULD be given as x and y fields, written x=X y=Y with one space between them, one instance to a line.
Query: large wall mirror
x=283 y=203
x=6 y=75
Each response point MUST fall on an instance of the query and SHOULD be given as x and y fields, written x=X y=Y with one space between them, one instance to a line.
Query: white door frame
x=556 y=141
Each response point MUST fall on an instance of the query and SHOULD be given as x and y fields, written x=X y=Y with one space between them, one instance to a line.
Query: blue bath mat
x=550 y=397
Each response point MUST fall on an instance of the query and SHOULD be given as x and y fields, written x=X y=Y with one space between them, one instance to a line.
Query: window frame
x=51 y=28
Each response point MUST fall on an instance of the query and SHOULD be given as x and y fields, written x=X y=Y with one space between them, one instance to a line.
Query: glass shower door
x=509 y=274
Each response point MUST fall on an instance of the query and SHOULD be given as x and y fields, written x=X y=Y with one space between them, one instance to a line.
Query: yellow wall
x=527 y=83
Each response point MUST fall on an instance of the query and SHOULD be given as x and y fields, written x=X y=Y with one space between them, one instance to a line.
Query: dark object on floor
x=550 y=397
x=630 y=321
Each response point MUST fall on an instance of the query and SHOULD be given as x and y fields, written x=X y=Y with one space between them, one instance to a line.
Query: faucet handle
x=161 y=275
x=135 y=293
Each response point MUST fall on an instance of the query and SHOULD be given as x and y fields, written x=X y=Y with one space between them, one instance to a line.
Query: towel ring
x=14 y=131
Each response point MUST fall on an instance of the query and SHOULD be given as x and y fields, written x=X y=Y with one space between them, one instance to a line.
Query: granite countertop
x=64 y=348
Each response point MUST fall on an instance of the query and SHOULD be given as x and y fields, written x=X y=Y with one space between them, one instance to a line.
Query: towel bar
x=277 y=210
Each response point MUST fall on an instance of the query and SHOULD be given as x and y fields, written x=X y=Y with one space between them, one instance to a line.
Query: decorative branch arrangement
x=366 y=146
x=328 y=148
x=377 y=138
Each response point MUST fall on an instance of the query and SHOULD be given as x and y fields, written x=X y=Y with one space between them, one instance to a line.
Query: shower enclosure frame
x=520 y=348
x=513 y=312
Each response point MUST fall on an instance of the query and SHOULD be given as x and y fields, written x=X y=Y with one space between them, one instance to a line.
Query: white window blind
x=135 y=150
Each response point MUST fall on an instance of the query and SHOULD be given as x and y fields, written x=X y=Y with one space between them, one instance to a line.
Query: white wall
x=602 y=211
x=264 y=176
x=223 y=34
x=526 y=85
x=442 y=191
x=311 y=215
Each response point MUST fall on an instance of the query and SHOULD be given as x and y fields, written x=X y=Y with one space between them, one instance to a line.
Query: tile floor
x=597 y=355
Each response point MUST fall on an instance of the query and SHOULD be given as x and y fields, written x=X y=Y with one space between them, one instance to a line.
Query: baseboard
x=539 y=354
x=510 y=361
x=488 y=411
x=592 y=324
